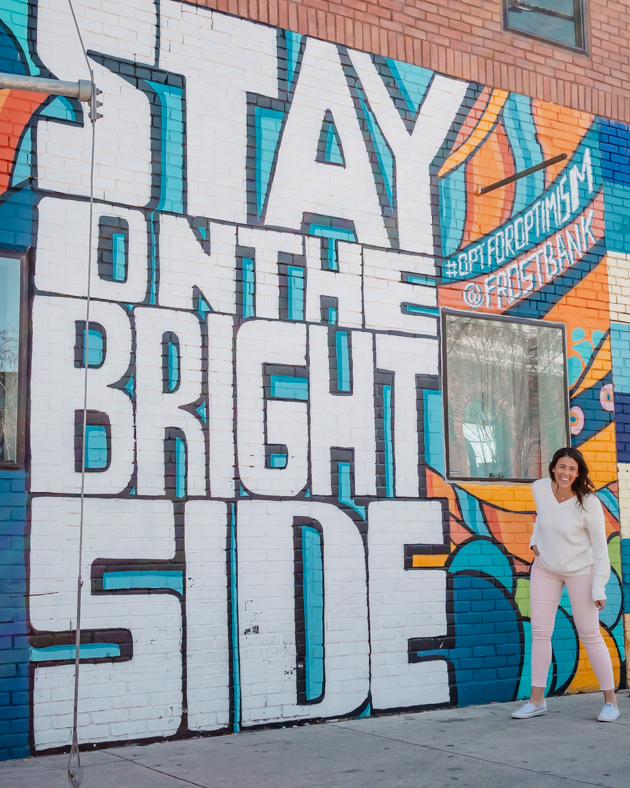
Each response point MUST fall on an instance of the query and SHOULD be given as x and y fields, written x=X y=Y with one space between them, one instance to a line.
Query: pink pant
x=545 y=591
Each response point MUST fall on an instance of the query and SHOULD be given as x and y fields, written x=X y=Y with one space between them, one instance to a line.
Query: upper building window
x=506 y=397
x=10 y=379
x=560 y=21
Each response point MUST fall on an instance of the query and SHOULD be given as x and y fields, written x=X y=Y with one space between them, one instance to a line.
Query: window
x=11 y=379
x=506 y=397
x=560 y=21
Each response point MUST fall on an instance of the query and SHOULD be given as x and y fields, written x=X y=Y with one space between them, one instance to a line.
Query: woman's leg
x=545 y=590
x=586 y=617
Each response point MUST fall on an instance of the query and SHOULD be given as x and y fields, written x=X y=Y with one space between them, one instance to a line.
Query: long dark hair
x=582 y=486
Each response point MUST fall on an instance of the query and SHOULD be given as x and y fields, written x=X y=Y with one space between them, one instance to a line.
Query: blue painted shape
x=15 y=15
x=173 y=366
x=521 y=130
x=332 y=316
x=95 y=348
x=236 y=669
x=66 y=653
x=249 y=284
x=333 y=153
x=619 y=638
x=416 y=309
x=296 y=283
x=171 y=100
x=452 y=190
x=367 y=712
x=278 y=460
x=180 y=468
x=625 y=573
x=433 y=429
x=313 y=591
x=16 y=218
x=482 y=555
x=388 y=439
x=119 y=258
x=384 y=154
x=329 y=231
x=564 y=643
x=115 y=581
x=203 y=307
x=595 y=417
x=14 y=645
x=416 y=279
x=620 y=349
x=342 y=351
x=202 y=410
x=614 y=601
x=525 y=683
x=268 y=127
x=614 y=144
x=129 y=386
x=622 y=426
x=488 y=642
x=345 y=488
x=609 y=499
x=292 y=43
x=60 y=108
x=95 y=447
x=471 y=512
x=575 y=367
x=23 y=159
x=288 y=387
x=153 y=274
x=412 y=82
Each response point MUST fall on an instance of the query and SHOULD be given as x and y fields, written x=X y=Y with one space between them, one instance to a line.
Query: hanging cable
x=75 y=772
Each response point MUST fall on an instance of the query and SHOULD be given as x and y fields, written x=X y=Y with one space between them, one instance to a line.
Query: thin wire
x=75 y=774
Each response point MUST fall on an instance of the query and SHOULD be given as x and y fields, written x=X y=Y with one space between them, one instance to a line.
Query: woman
x=569 y=543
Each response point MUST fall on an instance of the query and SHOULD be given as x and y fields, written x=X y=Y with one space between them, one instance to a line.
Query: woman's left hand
x=600 y=604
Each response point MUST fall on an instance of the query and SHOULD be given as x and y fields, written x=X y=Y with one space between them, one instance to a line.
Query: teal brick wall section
x=14 y=651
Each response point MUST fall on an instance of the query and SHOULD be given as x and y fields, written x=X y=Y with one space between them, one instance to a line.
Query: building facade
x=322 y=368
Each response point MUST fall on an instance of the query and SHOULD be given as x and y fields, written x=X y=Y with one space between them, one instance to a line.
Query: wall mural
x=278 y=221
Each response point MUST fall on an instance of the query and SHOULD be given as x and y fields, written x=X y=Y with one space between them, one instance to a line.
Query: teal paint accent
x=65 y=653
x=115 y=581
x=609 y=499
x=620 y=348
x=575 y=367
x=313 y=591
x=278 y=460
x=172 y=146
x=521 y=131
x=296 y=283
x=617 y=216
x=367 y=712
x=471 y=512
x=23 y=159
x=416 y=309
x=334 y=151
x=60 y=108
x=307 y=494
x=202 y=410
x=343 y=360
x=385 y=158
x=132 y=491
x=482 y=555
x=153 y=276
x=412 y=82
x=452 y=190
x=416 y=279
x=173 y=366
x=287 y=387
x=268 y=127
x=203 y=307
x=95 y=348
x=119 y=258
x=15 y=15
x=389 y=444
x=525 y=683
x=249 y=284
x=345 y=488
x=433 y=430
x=242 y=492
x=95 y=447
x=129 y=386
x=618 y=636
x=328 y=231
x=236 y=669
x=625 y=574
x=292 y=42
x=332 y=316
x=180 y=468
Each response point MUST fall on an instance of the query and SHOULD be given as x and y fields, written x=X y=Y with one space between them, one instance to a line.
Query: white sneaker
x=609 y=713
x=529 y=710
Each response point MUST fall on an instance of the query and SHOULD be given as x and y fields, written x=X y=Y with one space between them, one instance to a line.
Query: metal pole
x=81 y=90
x=518 y=175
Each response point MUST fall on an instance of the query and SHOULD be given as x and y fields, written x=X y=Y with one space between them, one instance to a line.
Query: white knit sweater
x=569 y=538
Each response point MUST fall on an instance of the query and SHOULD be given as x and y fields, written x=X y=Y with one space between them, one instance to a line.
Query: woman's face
x=565 y=472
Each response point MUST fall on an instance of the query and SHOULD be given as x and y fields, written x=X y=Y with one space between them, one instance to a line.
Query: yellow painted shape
x=480 y=132
x=585 y=679
x=426 y=561
x=513 y=497
x=600 y=453
x=4 y=95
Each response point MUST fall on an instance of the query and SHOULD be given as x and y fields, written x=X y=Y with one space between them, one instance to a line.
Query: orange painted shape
x=585 y=679
x=482 y=129
x=469 y=124
x=600 y=453
x=560 y=130
x=513 y=497
x=429 y=561
x=16 y=109
x=601 y=366
x=512 y=529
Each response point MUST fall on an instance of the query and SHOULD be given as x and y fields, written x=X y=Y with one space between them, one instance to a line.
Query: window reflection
x=560 y=21
x=9 y=356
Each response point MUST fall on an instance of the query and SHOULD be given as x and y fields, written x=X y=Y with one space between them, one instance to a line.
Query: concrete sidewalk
x=474 y=747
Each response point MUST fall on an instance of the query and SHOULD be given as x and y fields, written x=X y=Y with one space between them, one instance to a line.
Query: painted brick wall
x=271 y=534
x=466 y=39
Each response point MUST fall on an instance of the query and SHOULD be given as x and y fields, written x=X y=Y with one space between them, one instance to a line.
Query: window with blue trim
x=10 y=384
x=559 y=21
x=506 y=396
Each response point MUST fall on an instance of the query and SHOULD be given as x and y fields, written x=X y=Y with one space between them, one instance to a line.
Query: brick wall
x=466 y=39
